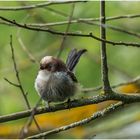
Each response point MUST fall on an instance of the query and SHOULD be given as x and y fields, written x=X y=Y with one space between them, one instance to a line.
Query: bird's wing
x=72 y=76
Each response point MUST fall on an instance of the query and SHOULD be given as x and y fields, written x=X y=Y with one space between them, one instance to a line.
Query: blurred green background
x=123 y=61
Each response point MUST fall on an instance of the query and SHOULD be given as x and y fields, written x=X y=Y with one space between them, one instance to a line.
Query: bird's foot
x=48 y=105
x=68 y=105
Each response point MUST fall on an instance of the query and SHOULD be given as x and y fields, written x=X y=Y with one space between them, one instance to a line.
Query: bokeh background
x=123 y=66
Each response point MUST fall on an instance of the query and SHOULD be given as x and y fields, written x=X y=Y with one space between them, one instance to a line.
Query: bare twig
x=86 y=22
x=67 y=29
x=134 y=81
x=76 y=20
x=16 y=85
x=19 y=81
x=94 y=116
x=29 y=54
x=70 y=34
x=31 y=118
x=113 y=28
x=56 y=12
x=81 y=20
x=39 y=5
x=31 y=57
x=104 y=66
x=17 y=73
x=123 y=16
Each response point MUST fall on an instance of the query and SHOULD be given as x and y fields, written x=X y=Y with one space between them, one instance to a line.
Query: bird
x=56 y=81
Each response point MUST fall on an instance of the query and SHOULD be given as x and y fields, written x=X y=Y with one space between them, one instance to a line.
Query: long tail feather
x=73 y=58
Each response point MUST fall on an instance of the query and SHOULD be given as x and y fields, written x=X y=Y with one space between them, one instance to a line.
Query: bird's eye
x=49 y=66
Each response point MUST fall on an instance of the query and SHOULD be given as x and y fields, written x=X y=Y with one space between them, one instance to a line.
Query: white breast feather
x=43 y=75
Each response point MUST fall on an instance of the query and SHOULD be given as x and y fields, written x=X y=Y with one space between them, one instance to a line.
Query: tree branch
x=94 y=116
x=90 y=35
x=134 y=81
x=17 y=73
x=19 y=81
x=75 y=20
x=39 y=5
x=67 y=29
x=16 y=85
x=81 y=20
x=104 y=66
x=64 y=14
x=75 y=103
x=113 y=28
x=24 y=48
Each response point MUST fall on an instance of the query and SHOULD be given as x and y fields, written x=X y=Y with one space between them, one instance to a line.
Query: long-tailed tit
x=55 y=80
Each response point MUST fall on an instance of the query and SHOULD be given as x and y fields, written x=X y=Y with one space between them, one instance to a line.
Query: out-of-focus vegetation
x=123 y=63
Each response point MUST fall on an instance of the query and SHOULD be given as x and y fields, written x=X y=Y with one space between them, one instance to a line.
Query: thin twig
x=67 y=29
x=113 y=28
x=94 y=116
x=17 y=73
x=78 y=20
x=29 y=54
x=104 y=65
x=25 y=129
x=90 y=35
x=19 y=81
x=123 y=16
x=39 y=5
x=57 y=12
x=135 y=80
x=90 y=23
x=86 y=22
x=16 y=85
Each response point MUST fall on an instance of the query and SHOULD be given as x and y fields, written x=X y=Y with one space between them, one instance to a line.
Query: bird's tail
x=73 y=58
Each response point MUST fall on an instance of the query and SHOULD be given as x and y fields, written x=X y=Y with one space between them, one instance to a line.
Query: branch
x=25 y=128
x=16 y=85
x=104 y=69
x=123 y=16
x=29 y=54
x=24 y=48
x=82 y=20
x=94 y=116
x=113 y=28
x=73 y=104
x=67 y=29
x=135 y=80
x=90 y=35
x=57 y=12
x=75 y=20
x=19 y=81
x=62 y=106
x=39 y=5
x=17 y=73
x=90 y=22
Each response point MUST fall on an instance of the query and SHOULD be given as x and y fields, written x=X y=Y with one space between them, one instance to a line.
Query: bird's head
x=52 y=64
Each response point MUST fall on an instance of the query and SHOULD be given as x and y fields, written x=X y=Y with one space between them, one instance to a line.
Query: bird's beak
x=41 y=67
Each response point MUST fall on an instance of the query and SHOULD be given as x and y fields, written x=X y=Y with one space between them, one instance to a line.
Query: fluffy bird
x=55 y=80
